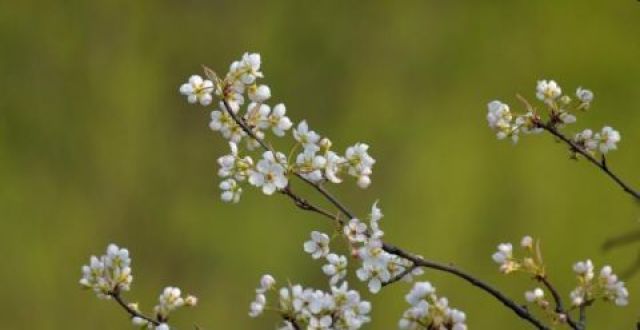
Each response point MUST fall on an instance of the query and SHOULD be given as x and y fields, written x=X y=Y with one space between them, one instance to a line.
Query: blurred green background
x=97 y=146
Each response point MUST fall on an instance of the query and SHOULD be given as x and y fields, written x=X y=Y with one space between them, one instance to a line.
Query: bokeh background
x=97 y=146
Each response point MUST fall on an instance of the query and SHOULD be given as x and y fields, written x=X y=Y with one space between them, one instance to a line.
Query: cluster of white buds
x=171 y=299
x=560 y=110
x=606 y=286
x=306 y=308
x=109 y=273
x=378 y=266
x=428 y=311
x=530 y=263
x=590 y=287
x=604 y=141
x=536 y=296
x=316 y=161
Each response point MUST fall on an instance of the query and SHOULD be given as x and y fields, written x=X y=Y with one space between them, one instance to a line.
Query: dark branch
x=602 y=165
x=558 y=302
x=132 y=312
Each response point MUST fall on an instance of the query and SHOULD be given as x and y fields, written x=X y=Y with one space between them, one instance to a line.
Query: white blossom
x=336 y=268
x=355 y=231
x=311 y=165
x=608 y=139
x=256 y=118
x=278 y=121
x=376 y=216
x=257 y=306
x=606 y=286
x=267 y=282
x=269 y=173
x=584 y=269
x=428 y=311
x=318 y=246
x=333 y=166
x=246 y=69
x=232 y=165
x=534 y=295
x=566 y=118
x=500 y=120
x=169 y=300
x=585 y=96
x=614 y=289
x=259 y=93
x=108 y=273
x=308 y=138
x=548 y=90
x=139 y=322
x=231 y=191
x=360 y=163
x=162 y=326
x=198 y=90
x=527 y=242
x=222 y=122
x=191 y=301
x=375 y=265
x=586 y=140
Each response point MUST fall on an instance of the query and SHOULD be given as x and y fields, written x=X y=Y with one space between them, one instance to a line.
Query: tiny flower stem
x=602 y=165
x=133 y=313
x=558 y=302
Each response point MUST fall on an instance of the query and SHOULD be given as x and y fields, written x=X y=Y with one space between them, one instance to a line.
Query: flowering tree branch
x=417 y=261
x=601 y=164
x=560 y=111
x=379 y=263
x=110 y=274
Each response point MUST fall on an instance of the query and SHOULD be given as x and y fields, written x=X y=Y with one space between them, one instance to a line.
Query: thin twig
x=558 y=302
x=583 y=316
x=292 y=321
x=400 y=276
x=602 y=165
x=419 y=261
x=132 y=312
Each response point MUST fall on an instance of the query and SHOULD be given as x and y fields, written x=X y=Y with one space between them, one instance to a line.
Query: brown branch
x=418 y=261
x=583 y=316
x=132 y=312
x=602 y=165
x=558 y=302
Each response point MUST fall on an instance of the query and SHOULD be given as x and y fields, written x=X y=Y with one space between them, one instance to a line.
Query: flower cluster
x=306 y=308
x=605 y=286
x=560 y=110
x=428 y=311
x=536 y=296
x=531 y=263
x=378 y=266
x=171 y=299
x=604 y=141
x=110 y=274
x=314 y=161
x=590 y=287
